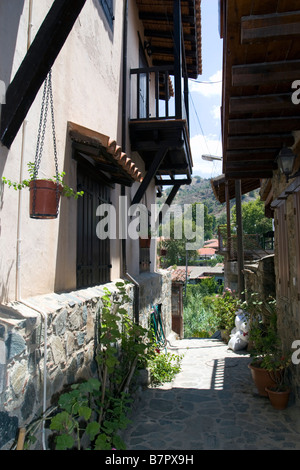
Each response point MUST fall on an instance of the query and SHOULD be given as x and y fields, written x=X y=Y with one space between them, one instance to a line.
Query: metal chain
x=41 y=132
x=47 y=94
x=53 y=126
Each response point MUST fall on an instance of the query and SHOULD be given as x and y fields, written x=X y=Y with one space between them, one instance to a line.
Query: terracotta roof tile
x=95 y=139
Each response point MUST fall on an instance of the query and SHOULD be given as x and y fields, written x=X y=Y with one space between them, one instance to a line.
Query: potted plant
x=263 y=339
x=44 y=193
x=278 y=366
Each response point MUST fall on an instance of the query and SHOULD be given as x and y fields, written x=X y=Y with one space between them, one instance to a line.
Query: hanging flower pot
x=44 y=199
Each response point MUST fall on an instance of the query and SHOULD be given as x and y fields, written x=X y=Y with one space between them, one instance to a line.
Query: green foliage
x=163 y=366
x=67 y=191
x=254 y=219
x=205 y=312
x=263 y=334
x=225 y=307
x=97 y=408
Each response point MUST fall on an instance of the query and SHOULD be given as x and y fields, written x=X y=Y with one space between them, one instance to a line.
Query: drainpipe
x=136 y=304
x=18 y=254
x=21 y=177
x=45 y=318
x=124 y=122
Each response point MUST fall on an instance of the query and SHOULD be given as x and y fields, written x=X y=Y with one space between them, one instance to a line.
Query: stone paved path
x=211 y=404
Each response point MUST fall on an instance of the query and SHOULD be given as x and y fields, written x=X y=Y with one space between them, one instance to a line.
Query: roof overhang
x=104 y=154
x=157 y=18
x=261 y=60
x=219 y=183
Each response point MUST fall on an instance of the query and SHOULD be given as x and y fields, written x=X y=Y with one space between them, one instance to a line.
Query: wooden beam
x=248 y=174
x=258 y=28
x=157 y=161
x=261 y=103
x=171 y=182
x=168 y=202
x=265 y=73
x=261 y=165
x=260 y=141
x=250 y=155
x=264 y=125
x=39 y=59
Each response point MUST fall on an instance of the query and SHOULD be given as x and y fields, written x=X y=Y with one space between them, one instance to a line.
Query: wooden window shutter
x=93 y=254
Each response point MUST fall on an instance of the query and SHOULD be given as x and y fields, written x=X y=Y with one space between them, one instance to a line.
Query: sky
x=205 y=97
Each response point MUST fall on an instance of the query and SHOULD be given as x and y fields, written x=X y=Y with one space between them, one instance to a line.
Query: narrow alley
x=211 y=405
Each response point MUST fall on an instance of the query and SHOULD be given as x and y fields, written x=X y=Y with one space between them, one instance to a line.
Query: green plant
x=225 y=307
x=97 y=409
x=277 y=364
x=66 y=191
x=263 y=335
x=163 y=366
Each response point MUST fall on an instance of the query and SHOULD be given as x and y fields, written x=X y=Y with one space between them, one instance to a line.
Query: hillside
x=200 y=190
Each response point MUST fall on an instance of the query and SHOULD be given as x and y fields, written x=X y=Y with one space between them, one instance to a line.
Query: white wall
x=87 y=88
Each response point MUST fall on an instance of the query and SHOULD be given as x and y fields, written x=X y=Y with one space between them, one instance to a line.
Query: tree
x=254 y=219
x=209 y=221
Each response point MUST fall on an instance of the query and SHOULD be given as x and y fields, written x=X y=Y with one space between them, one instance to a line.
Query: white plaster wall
x=87 y=87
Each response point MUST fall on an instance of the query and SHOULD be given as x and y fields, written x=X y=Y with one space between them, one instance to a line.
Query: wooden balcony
x=158 y=125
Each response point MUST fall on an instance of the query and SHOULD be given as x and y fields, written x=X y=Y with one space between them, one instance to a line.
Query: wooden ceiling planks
x=157 y=18
x=261 y=60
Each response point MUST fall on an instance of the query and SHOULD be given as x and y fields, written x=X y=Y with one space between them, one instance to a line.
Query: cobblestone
x=211 y=404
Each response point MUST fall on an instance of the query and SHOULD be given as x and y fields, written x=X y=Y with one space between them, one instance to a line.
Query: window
x=93 y=254
x=108 y=8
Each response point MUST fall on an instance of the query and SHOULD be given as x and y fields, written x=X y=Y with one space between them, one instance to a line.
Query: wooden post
x=240 y=243
x=177 y=58
x=228 y=227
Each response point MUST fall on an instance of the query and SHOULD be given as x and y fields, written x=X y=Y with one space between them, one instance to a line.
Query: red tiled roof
x=206 y=251
x=90 y=137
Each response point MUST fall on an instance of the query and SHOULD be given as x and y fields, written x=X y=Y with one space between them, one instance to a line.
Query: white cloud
x=202 y=145
x=212 y=87
x=216 y=113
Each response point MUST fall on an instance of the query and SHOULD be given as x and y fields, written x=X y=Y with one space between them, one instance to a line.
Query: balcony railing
x=153 y=94
x=255 y=245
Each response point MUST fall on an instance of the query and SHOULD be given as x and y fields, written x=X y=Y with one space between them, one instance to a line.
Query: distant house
x=198 y=273
x=206 y=253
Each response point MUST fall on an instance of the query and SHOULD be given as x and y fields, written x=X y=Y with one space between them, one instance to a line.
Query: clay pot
x=279 y=398
x=44 y=199
x=261 y=378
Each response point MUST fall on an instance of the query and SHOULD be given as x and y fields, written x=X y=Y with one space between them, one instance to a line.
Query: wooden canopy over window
x=106 y=156
x=157 y=17
x=261 y=61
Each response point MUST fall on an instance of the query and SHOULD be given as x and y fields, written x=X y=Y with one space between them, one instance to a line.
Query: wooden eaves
x=260 y=62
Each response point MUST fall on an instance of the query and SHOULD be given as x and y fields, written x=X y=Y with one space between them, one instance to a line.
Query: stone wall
x=69 y=320
x=260 y=277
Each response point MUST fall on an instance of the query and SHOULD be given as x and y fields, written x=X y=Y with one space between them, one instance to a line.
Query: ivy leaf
x=92 y=429
x=118 y=443
x=85 y=412
x=101 y=443
x=64 y=442
x=61 y=422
